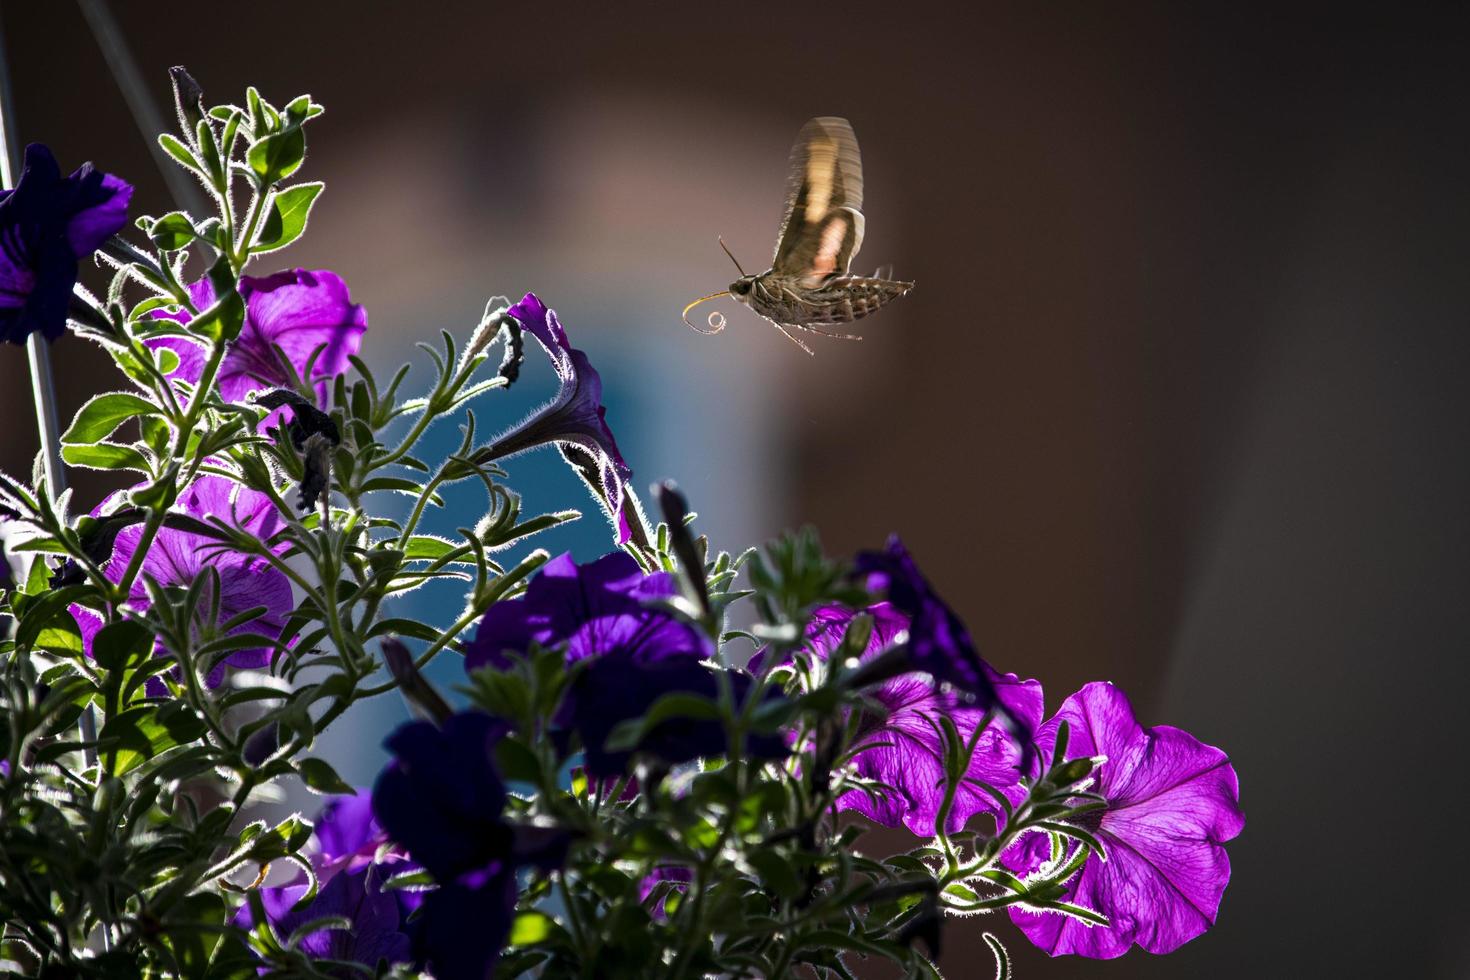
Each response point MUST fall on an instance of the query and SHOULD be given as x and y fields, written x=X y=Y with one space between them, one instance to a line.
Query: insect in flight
x=809 y=285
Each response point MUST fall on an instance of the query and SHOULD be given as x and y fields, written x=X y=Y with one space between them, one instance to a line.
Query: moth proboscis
x=810 y=284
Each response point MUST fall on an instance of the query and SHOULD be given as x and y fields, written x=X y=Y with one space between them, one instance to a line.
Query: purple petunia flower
x=678 y=876
x=575 y=417
x=441 y=797
x=347 y=837
x=343 y=852
x=618 y=688
x=938 y=642
x=299 y=310
x=377 y=932
x=905 y=749
x=177 y=558
x=596 y=609
x=47 y=224
x=1172 y=803
x=464 y=925
x=638 y=653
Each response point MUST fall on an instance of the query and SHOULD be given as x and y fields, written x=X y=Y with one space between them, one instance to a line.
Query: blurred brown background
x=1179 y=400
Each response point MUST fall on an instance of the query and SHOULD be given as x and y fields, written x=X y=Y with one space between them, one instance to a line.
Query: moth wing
x=823 y=225
x=827 y=250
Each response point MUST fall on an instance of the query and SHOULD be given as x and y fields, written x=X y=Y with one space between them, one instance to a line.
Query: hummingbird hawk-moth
x=809 y=284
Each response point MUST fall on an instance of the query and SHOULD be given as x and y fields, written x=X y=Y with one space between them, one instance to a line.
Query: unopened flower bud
x=188 y=100
x=417 y=691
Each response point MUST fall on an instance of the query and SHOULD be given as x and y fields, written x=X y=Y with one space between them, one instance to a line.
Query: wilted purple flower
x=905 y=749
x=48 y=223
x=298 y=309
x=1172 y=803
x=575 y=417
x=598 y=608
x=376 y=934
x=938 y=642
x=178 y=558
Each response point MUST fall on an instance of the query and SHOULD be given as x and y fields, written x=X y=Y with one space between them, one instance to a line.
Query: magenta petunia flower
x=178 y=557
x=300 y=310
x=47 y=224
x=938 y=642
x=575 y=417
x=1172 y=803
x=905 y=750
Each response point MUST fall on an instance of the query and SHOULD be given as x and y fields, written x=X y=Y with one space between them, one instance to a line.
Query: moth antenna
x=716 y=319
x=732 y=256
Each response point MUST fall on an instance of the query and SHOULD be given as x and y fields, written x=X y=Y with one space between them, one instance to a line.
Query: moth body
x=786 y=301
x=809 y=284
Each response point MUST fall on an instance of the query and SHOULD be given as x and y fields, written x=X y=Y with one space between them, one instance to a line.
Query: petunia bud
x=262 y=745
x=188 y=100
x=1072 y=772
x=417 y=691
x=676 y=515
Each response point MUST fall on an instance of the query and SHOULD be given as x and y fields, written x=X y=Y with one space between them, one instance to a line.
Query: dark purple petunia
x=442 y=800
x=618 y=688
x=596 y=609
x=637 y=653
x=575 y=417
x=938 y=642
x=48 y=223
x=465 y=925
x=1172 y=803
x=376 y=934
x=441 y=797
x=905 y=750
x=300 y=310
x=178 y=558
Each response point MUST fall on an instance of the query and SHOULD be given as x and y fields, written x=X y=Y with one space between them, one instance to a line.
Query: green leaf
x=322 y=778
x=139 y=734
x=101 y=416
x=530 y=928
x=172 y=232
x=223 y=319
x=121 y=645
x=62 y=636
x=277 y=156
x=287 y=218
x=427 y=547
x=776 y=872
x=105 y=456
x=176 y=149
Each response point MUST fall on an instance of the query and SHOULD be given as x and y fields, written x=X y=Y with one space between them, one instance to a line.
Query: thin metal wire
x=43 y=389
x=150 y=122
